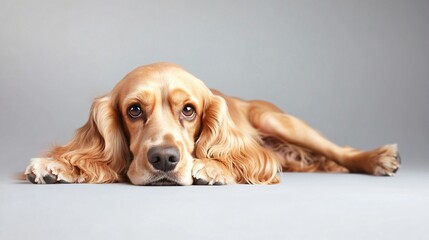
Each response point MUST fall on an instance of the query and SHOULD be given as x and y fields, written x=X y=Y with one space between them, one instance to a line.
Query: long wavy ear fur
x=98 y=149
x=222 y=140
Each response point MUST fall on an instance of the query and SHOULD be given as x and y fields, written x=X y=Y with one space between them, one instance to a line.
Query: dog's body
x=162 y=126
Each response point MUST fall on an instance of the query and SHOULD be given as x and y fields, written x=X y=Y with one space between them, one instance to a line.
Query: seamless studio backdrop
x=355 y=70
x=358 y=71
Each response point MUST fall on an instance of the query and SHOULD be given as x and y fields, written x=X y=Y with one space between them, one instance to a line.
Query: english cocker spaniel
x=161 y=125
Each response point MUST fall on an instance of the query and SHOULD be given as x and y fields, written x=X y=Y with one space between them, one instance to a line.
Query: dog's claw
x=395 y=170
x=50 y=179
x=398 y=158
x=200 y=182
x=31 y=177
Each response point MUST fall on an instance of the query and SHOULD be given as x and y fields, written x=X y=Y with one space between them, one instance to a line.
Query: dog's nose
x=163 y=158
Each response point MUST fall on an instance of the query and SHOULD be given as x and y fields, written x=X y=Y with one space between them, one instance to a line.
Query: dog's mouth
x=164 y=182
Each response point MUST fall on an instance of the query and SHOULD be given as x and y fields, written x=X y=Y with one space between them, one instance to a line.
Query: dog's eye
x=135 y=111
x=188 y=112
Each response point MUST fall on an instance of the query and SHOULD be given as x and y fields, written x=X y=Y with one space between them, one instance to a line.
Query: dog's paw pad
x=50 y=179
x=31 y=177
x=204 y=182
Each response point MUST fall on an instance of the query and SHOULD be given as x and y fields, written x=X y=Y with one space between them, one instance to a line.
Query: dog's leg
x=381 y=161
x=211 y=172
x=49 y=170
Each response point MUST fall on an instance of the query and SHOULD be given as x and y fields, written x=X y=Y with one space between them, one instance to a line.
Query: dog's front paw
x=48 y=171
x=211 y=172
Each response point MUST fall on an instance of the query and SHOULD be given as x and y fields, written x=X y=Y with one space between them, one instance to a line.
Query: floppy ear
x=98 y=149
x=222 y=140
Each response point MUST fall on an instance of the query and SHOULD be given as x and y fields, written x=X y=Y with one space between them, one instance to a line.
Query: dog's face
x=161 y=114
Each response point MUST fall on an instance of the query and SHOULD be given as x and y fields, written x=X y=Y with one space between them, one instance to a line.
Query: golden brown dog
x=162 y=126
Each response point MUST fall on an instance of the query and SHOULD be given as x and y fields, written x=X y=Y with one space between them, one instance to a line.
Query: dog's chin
x=163 y=182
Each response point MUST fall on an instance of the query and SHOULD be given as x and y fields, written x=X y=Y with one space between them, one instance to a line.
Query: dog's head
x=161 y=108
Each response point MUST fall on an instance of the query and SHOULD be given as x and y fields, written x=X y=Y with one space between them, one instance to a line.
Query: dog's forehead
x=159 y=76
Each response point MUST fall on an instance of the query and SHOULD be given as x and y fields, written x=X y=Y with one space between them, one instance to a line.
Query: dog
x=161 y=126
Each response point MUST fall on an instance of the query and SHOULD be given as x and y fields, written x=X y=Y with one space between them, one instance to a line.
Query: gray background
x=355 y=70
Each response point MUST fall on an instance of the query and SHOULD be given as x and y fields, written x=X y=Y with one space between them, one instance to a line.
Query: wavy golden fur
x=162 y=126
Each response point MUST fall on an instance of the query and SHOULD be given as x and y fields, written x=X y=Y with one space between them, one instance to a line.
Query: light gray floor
x=303 y=206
